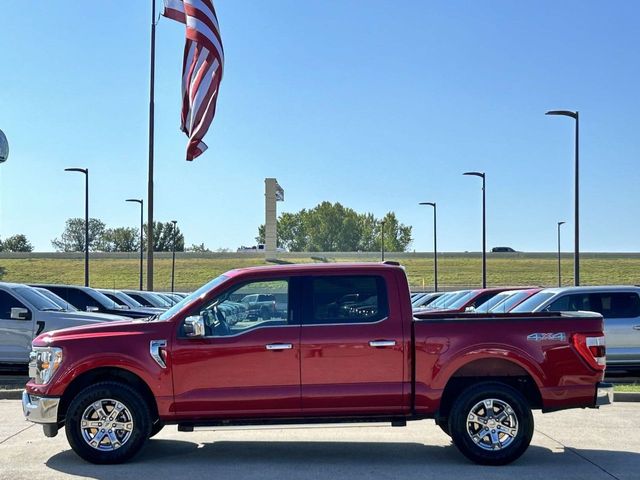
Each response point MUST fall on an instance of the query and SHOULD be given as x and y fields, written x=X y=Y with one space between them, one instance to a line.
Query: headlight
x=43 y=363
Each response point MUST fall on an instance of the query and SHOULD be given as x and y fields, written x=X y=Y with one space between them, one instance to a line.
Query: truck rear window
x=347 y=299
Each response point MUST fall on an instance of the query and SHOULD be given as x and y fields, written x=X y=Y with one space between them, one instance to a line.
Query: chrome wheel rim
x=492 y=424
x=106 y=424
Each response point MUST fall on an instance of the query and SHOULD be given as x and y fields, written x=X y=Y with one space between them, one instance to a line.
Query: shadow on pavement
x=301 y=460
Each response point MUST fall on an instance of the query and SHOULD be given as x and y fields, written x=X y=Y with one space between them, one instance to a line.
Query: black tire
x=156 y=428
x=510 y=402
x=137 y=413
x=265 y=313
x=443 y=423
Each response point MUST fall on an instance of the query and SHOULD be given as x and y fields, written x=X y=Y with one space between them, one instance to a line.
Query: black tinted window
x=75 y=297
x=608 y=304
x=618 y=304
x=139 y=298
x=7 y=302
x=347 y=299
x=572 y=303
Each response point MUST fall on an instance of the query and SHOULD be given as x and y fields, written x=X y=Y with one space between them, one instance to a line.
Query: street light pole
x=435 y=246
x=151 y=140
x=576 y=226
x=484 y=225
x=141 y=202
x=86 y=220
x=559 y=271
x=382 y=235
x=173 y=261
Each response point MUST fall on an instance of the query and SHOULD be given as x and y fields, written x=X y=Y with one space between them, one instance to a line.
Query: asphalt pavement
x=573 y=444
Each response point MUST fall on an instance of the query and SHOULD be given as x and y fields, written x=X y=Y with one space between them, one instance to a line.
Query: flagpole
x=151 y=132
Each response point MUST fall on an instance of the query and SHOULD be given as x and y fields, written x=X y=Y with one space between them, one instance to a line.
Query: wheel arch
x=491 y=369
x=102 y=374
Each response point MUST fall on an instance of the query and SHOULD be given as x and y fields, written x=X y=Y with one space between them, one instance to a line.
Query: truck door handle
x=278 y=346
x=382 y=343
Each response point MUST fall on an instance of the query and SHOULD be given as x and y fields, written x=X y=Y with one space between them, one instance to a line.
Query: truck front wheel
x=107 y=423
x=491 y=424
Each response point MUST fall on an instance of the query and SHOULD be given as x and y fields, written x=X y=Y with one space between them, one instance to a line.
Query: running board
x=292 y=424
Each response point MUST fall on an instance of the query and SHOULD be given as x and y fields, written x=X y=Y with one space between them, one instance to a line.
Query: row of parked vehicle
x=618 y=305
x=28 y=310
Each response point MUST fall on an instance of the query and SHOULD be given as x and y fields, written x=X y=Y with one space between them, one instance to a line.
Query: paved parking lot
x=575 y=444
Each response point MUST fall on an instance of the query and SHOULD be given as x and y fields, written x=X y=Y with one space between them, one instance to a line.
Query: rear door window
x=347 y=299
x=618 y=304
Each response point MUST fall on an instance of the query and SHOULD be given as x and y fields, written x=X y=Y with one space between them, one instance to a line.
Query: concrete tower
x=273 y=193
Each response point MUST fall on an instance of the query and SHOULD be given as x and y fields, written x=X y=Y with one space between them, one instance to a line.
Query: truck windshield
x=510 y=302
x=39 y=301
x=127 y=300
x=499 y=299
x=532 y=303
x=64 y=305
x=445 y=299
x=199 y=292
x=461 y=301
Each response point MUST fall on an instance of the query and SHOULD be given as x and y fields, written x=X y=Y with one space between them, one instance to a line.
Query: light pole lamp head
x=475 y=174
x=561 y=223
x=564 y=113
x=75 y=169
x=433 y=204
x=137 y=200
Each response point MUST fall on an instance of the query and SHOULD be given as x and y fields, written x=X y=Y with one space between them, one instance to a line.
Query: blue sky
x=378 y=105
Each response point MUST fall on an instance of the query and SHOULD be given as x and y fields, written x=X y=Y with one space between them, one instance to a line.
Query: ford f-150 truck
x=322 y=359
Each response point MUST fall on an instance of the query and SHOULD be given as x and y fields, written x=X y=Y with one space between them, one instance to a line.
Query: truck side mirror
x=18 y=313
x=194 y=326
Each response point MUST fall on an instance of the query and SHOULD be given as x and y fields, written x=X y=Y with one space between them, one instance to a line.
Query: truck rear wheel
x=491 y=424
x=107 y=423
x=443 y=423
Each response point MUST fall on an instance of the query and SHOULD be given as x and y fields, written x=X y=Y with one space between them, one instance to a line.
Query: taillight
x=592 y=348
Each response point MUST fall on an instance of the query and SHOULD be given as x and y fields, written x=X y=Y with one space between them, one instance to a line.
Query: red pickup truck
x=342 y=346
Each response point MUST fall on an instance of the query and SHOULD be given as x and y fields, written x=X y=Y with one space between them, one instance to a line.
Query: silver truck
x=25 y=313
x=618 y=305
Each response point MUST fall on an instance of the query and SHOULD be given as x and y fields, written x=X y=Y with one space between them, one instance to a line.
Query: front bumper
x=604 y=394
x=40 y=409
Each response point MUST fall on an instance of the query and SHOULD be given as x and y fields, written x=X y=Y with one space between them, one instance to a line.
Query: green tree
x=397 y=237
x=72 y=239
x=163 y=237
x=331 y=227
x=121 y=239
x=16 y=243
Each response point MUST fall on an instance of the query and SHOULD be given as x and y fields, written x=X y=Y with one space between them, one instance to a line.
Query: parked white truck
x=25 y=313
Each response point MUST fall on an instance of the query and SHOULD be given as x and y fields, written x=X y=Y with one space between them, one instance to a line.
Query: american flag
x=201 y=69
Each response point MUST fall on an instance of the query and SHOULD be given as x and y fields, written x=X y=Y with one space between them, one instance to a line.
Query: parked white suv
x=619 y=306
